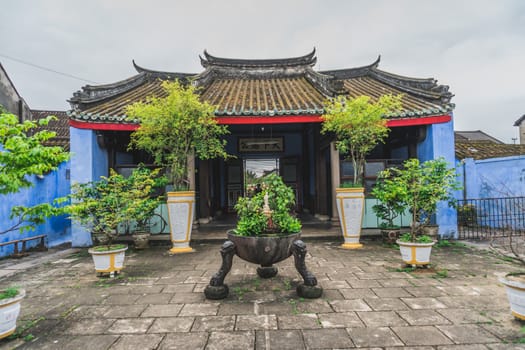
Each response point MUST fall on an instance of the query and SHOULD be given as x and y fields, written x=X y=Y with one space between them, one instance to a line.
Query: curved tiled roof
x=487 y=149
x=270 y=87
x=59 y=126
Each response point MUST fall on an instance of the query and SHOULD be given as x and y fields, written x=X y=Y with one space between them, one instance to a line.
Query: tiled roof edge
x=424 y=87
x=519 y=121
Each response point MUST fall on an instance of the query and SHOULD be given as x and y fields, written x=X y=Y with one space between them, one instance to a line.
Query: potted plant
x=266 y=233
x=421 y=186
x=358 y=125
x=172 y=129
x=142 y=201
x=10 y=299
x=101 y=207
x=513 y=246
x=390 y=205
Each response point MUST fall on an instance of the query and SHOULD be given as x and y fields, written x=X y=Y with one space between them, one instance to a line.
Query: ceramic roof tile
x=59 y=126
x=264 y=88
x=487 y=149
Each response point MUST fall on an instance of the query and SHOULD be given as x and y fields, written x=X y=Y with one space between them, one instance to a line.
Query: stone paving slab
x=370 y=301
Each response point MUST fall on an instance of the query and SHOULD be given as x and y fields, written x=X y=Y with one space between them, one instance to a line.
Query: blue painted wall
x=440 y=143
x=88 y=163
x=58 y=229
x=493 y=178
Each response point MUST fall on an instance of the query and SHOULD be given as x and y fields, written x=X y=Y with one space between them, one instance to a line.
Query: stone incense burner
x=267 y=248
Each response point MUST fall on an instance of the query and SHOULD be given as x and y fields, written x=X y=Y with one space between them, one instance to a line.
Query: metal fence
x=491 y=217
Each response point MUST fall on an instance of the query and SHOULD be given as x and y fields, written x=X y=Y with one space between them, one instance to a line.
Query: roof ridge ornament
x=209 y=60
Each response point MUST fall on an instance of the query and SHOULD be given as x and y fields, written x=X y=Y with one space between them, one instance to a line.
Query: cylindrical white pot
x=350 y=207
x=181 y=206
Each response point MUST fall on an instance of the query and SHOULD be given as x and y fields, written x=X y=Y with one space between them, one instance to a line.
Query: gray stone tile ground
x=370 y=302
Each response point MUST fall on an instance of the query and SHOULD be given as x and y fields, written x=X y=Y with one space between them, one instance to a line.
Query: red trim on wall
x=249 y=120
x=103 y=126
x=419 y=121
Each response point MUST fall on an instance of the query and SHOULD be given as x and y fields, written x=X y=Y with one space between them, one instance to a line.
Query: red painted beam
x=250 y=120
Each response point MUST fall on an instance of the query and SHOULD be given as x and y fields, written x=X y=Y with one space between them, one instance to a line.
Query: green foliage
x=9 y=292
x=349 y=185
x=420 y=186
x=467 y=215
x=22 y=154
x=102 y=205
x=407 y=237
x=175 y=127
x=358 y=125
x=140 y=195
x=441 y=274
x=389 y=193
x=281 y=199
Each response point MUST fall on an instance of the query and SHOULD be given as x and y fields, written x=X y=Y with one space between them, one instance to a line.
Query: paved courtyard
x=369 y=301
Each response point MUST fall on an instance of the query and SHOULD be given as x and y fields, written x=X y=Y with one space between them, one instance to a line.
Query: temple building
x=274 y=109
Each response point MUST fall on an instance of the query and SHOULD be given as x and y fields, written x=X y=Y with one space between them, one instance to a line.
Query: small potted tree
x=390 y=205
x=141 y=198
x=358 y=125
x=101 y=207
x=267 y=232
x=421 y=187
x=172 y=129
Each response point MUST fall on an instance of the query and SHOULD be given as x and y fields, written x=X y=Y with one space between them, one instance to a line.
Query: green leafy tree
x=141 y=197
x=390 y=195
x=420 y=187
x=175 y=127
x=23 y=154
x=359 y=125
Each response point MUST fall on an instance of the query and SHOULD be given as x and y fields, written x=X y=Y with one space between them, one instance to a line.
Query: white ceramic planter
x=350 y=207
x=181 y=206
x=9 y=311
x=415 y=254
x=108 y=261
x=516 y=295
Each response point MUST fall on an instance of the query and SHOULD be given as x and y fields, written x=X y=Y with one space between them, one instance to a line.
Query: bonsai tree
x=100 y=206
x=175 y=127
x=105 y=204
x=140 y=196
x=267 y=210
x=421 y=186
x=390 y=196
x=23 y=154
x=358 y=125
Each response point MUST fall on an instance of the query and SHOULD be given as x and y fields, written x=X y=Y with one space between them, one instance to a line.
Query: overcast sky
x=475 y=47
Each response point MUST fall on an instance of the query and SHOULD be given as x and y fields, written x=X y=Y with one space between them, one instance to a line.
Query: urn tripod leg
x=217 y=289
x=267 y=271
x=309 y=289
